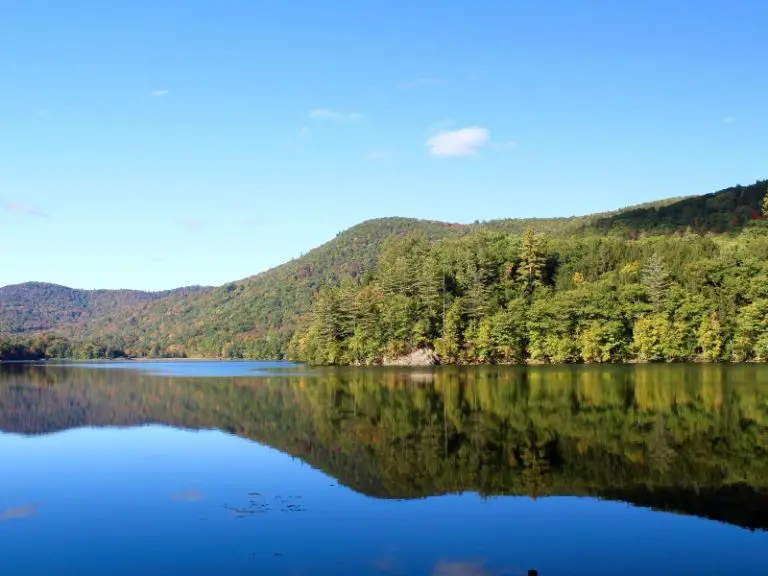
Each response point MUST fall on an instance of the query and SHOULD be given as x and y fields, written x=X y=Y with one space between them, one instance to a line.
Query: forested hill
x=39 y=307
x=639 y=287
x=256 y=317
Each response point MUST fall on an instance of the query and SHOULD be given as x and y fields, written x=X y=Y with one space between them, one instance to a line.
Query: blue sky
x=151 y=144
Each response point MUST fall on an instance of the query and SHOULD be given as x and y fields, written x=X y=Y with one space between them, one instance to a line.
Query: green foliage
x=48 y=347
x=578 y=285
x=530 y=269
x=658 y=299
x=656 y=279
x=711 y=337
x=765 y=204
x=37 y=307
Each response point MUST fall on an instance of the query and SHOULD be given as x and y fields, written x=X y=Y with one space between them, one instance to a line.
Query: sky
x=153 y=144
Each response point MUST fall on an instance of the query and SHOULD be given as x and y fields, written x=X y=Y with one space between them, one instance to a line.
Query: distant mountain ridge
x=40 y=306
x=256 y=316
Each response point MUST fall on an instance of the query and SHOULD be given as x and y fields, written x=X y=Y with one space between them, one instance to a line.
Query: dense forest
x=36 y=307
x=49 y=346
x=491 y=297
x=680 y=279
x=685 y=438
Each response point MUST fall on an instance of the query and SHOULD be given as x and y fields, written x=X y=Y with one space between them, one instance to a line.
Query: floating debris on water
x=258 y=504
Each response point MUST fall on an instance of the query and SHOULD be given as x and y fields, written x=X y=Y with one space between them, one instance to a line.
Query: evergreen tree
x=656 y=280
x=765 y=203
x=532 y=261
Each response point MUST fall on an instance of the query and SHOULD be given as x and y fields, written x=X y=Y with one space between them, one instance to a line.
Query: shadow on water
x=687 y=439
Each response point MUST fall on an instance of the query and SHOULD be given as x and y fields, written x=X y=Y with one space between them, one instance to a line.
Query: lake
x=265 y=468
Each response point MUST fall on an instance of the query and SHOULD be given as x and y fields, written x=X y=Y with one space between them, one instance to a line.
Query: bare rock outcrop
x=420 y=357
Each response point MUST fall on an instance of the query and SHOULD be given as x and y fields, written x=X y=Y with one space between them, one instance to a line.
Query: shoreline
x=693 y=362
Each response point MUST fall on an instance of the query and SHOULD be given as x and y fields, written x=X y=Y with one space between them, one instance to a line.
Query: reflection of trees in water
x=660 y=455
x=535 y=462
x=618 y=431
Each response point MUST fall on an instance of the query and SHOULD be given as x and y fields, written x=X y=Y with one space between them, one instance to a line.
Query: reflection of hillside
x=692 y=439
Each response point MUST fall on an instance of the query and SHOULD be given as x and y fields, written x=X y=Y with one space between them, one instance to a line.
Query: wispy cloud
x=160 y=93
x=251 y=222
x=729 y=120
x=25 y=209
x=43 y=113
x=191 y=224
x=421 y=82
x=461 y=142
x=19 y=513
x=188 y=496
x=379 y=156
x=337 y=115
x=304 y=132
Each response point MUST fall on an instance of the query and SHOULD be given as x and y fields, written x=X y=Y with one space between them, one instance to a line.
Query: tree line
x=676 y=280
x=491 y=297
x=47 y=346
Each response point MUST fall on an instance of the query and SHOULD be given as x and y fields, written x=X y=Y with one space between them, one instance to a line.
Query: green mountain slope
x=647 y=284
x=40 y=307
x=257 y=316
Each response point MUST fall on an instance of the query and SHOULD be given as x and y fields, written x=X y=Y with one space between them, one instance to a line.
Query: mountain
x=685 y=280
x=257 y=316
x=40 y=307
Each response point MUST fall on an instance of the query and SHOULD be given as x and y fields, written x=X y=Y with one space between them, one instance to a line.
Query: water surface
x=249 y=468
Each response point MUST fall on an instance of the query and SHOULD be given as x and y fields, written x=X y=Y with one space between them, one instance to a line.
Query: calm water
x=246 y=468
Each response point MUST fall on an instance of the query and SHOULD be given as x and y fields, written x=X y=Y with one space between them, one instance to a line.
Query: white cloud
x=327 y=114
x=419 y=82
x=25 y=209
x=304 y=131
x=43 y=113
x=729 y=120
x=160 y=93
x=461 y=142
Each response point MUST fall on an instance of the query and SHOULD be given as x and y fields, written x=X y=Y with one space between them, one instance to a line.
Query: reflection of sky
x=120 y=500
x=194 y=368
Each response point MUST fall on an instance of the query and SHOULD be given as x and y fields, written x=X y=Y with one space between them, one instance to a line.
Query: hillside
x=257 y=317
x=682 y=281
x=40 y=307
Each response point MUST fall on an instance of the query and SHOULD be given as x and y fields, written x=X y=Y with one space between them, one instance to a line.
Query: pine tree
x=765 y=203
x=532 y=261
x=656 y=279
x=431 y=292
